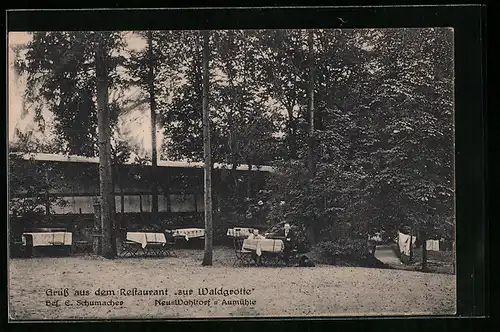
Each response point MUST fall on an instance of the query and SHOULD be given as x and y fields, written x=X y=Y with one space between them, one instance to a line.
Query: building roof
x=161 y=163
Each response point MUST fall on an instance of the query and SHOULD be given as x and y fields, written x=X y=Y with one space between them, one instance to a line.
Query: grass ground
x=319 y=291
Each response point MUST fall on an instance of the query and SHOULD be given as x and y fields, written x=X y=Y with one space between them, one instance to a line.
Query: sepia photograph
x=175 y=174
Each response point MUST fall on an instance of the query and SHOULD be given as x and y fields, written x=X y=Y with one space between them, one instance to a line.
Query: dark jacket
x=289 y=239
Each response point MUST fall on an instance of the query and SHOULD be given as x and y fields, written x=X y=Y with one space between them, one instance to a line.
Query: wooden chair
x=28 y=247
x=154 y=249
x=17 y=248
x=128 y=248
x=242 y=255
x=83 y=244
x=169 y=246
x=294 y=256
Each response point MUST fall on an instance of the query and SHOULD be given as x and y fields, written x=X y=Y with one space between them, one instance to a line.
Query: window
x=22 y=204
x=182 y=203
x=147 y=201
x=84 y=203
x=67 y=209
x=200 y=203
x=118 y=204
x=132 y=203
x=162 y=203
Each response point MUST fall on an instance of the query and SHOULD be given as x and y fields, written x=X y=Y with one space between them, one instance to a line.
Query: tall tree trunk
x=47 y=196
x=311 y=162
x=310 y=155
x=234 y=157
x=292 y=135
x=114 y=172
x=120 y=220
x=103 y=117
x=207 y=257
x=122 y=196
x=233 y=140
x=249 y=179
x=152 y=102
x=249 y=155
x=411 y=246
x=423 y=237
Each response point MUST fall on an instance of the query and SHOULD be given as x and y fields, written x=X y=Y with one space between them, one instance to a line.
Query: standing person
x=289 y=241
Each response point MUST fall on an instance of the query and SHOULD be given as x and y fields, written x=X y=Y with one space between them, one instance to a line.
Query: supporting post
x=96 y=234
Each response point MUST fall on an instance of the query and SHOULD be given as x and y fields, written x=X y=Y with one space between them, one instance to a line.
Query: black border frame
x=469 y=25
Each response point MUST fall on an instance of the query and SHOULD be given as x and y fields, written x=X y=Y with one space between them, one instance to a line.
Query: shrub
x=335 y=232
x=344 y=250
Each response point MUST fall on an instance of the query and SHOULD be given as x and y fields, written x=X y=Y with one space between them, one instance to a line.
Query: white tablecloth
x=263 y=245
x=189 y=233
x=49 y=238
x=239 y=231
x=145 y=238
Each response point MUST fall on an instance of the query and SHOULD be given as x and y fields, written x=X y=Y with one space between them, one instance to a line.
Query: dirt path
x=319 y=291
x=386 y=255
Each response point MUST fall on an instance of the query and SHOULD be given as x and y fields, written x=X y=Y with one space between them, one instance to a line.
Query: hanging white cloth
x=404 y=243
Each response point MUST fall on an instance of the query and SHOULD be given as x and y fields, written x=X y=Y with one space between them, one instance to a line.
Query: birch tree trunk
x=207 y=257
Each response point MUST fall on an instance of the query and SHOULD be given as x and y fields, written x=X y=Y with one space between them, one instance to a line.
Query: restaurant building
x=75 y=180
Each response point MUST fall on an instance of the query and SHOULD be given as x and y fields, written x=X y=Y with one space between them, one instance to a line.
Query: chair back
x=122 y=234
x=238 y=241
x=29 y=240
x=169 y=237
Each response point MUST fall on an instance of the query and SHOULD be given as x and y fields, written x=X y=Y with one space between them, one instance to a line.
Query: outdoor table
x=263 y=245
x=145 y=238
x=46 y=240
x=239 y=231
x=49 y=238
x=189 y=233
x=151 y=243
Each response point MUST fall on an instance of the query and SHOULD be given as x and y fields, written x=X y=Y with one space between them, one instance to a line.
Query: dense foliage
x=28 y=188
x=60 y=72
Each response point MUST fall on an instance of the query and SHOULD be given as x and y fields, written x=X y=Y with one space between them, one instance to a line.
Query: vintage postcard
x=231 y=173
